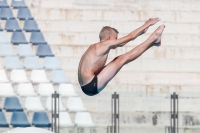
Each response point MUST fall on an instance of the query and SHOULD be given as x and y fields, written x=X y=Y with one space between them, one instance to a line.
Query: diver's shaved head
x=107 y=31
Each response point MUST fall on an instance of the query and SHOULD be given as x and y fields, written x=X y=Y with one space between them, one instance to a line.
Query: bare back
x=91 y=64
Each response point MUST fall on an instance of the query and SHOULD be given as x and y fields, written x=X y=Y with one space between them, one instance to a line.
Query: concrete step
x=145 y=129
x=112 y=15
x=124 y=129
x=149 y=119
x=188 y=114
x=123 y=27
x=144 y=65
x=138 y=119
x=113 y=4
x=85 y=38
x=76 y=51
x=184 y=47
x=155 y=98
x=131 y=90
x=155 y=53
x=128 y=103
x=147 y=78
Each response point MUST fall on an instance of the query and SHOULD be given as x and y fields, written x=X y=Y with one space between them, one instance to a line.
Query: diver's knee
x=123 y=59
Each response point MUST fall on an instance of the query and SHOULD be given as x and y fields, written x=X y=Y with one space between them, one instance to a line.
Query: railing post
x=174 y=113
x=55 y=112
x=115 y=113
x=167 y=129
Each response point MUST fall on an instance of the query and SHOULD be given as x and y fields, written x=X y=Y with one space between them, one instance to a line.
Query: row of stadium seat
x=30 y=63
x=14 y=3
x=40 y=119
x=19 y=119
x=18 y=37
x=12 y=104
x=12 y=94
x=37 y=76
x=44 y=89
x=42 y=51
x=23 y=13
x=29 y=26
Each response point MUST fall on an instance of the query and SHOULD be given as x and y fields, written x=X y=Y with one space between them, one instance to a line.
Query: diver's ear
x=108 y=38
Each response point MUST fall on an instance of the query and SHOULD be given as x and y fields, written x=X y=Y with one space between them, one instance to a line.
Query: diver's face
x=114 y=37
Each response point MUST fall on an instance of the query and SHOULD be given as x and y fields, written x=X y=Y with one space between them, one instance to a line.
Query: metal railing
x=114 y=128
x=167 y=129
x=174 y=113
x=55 y=123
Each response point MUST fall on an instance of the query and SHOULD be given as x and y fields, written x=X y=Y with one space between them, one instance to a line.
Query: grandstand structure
x=41 y=42
x=30 y=73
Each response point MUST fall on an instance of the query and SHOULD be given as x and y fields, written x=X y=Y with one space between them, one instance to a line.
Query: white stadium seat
x=24 y=50
x=3 y=77
x=39 y=76
x=75 y=104
x=12 y=62
x=18 y=76
x=1 y=66
x=48 y=105
x=65 y=120
x=67 y=90
x=83 y=119
x=26 y=89
x=33 y=104
x=45 y=89
x=3 y=38
x=6 y=90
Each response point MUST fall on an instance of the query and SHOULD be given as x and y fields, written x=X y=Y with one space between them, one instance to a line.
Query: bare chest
x=99 y=65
